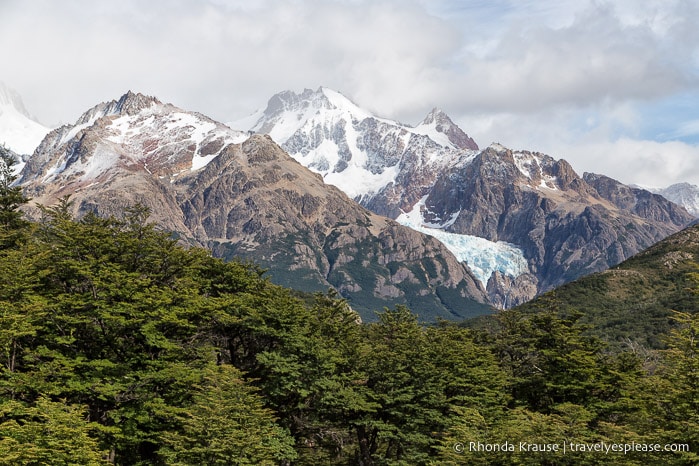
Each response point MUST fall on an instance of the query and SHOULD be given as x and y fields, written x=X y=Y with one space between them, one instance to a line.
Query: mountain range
x=243 y=196
x=684 y=194
x=325 y=194
x=523 y=221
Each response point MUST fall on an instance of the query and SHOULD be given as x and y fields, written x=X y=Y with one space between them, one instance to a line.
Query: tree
x=226 y=424
x=674 y=410
x=549 y=360
x=11 y=198
x=47 y=432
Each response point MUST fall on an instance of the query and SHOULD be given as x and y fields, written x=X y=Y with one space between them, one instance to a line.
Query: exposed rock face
x=254 y=201
x=505 y=291
x=567 y=226
x=247 y=198
x=634 y=301
x=641 y=202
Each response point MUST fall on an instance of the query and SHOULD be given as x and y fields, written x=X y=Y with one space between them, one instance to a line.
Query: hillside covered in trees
x=119 y=346
x=633 y=303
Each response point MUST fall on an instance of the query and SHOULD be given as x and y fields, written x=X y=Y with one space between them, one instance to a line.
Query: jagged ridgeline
x=470 y=228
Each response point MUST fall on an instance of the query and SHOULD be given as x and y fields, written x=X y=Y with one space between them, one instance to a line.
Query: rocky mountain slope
x=245 y=197
x=566 y=226
x=632 y=304
x=523 y=221
x=19 y=132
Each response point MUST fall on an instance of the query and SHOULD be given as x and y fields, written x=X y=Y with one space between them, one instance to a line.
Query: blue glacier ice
x=482 y=256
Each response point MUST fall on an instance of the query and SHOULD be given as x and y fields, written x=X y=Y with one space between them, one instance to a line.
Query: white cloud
x=643 y=162
x=595 y=58
x=555 y=76
x=218 y=57
x=601 y=139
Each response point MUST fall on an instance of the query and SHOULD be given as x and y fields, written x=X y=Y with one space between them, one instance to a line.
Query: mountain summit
x=131 y=133
x=351 y=148
x=438 y=123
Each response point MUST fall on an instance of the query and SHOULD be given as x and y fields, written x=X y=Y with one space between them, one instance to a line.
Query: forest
x=119 y=346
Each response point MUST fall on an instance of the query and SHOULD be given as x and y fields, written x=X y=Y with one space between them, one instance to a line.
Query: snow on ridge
x=684 y=194
x=179 y=124
x=289 y=123
x=294 y=117
x=355 y=181
x=18 y=167
x=136 y=136
x=497 y=147
x=348 y=146
x=531 y=166
x=20 y=134
x=483 y=257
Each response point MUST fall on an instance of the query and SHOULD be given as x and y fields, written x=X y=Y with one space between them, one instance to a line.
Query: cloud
x=605 y=139
x=554 y=76
x=686 y=129
x=643 y=162
x=595 y=59
x=221 y=57
x=390 y=56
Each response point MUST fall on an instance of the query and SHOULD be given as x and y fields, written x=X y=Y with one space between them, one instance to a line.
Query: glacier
x=483 y=257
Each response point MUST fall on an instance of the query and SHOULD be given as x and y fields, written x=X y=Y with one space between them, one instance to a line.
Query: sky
x=612 y=87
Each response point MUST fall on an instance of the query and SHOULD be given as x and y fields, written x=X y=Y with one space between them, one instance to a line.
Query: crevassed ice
x=483 y=256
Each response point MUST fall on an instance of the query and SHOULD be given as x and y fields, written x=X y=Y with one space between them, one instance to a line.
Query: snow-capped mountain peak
x=353 y=149
x=338 y=101
x=287 y=112
x=134 y=132
x=684 y=194
x=438 y=126
x=128 y=104
x=18 y=130
x=10 y=98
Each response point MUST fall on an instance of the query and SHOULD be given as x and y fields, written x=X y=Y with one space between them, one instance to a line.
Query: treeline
x=119 y=346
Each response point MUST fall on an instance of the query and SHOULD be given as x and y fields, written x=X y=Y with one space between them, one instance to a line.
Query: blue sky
x=611 y=87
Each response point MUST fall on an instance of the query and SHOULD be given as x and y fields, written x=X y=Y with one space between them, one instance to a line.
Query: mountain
x=566 y=226
x=243 y=196
x=18 y=130
x=363 y=155
x=523 y=221
x=633 y=303
x=684 y=194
